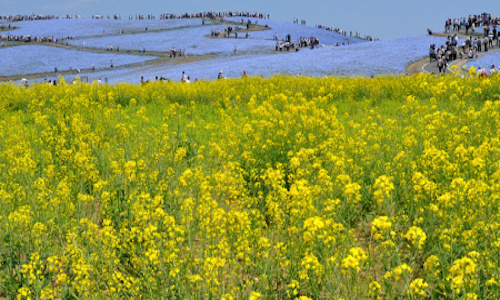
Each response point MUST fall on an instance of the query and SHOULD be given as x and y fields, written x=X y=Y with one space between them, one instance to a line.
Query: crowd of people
x=472 y=22
x=35 y=39
x=29 y=38
x=7 y=27
x=344 y=32
x=33 y=17
x=165 y=16
x=228 y=31
x=302 y=42
x=482 y=72
x=157 y=78
x=185 y=78
x=473 y=45
x=178 y=53
x=214 y=15
x=18 y=18
x=448 y=52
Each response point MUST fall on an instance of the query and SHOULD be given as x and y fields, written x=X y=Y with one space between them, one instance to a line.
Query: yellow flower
x=353 y=262
x=399 y=272
x=417 y=287
x=382 y=187
x=463 y=274
x=374 y=289
x=431 y=265
x=416 y=237
x=380 y=227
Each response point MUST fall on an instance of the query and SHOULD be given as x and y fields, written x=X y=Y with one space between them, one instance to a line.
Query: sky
x=382 y=19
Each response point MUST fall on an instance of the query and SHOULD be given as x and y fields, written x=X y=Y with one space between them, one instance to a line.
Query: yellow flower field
x=281 y=188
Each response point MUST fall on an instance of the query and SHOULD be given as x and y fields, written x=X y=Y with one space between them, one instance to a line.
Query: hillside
x=144 y=50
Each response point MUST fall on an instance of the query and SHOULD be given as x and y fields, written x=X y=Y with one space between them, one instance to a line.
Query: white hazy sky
x=380 y=18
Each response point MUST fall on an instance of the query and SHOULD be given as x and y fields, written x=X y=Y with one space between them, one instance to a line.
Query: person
x=441 y=64
x=142 y=80
x=482 y=72
x=493 y=70
x=111 y=63
x=188 y=80
x=184 y=77
x=244 y=74
x=432 y=53
x=220 y=75
x=461 y=54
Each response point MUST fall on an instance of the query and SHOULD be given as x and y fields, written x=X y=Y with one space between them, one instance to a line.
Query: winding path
x=427 y=66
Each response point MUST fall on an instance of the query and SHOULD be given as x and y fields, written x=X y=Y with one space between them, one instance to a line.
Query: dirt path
x=424 y=66
x=416 y=67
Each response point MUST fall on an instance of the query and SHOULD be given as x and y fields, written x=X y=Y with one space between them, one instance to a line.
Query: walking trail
x=427 y=66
